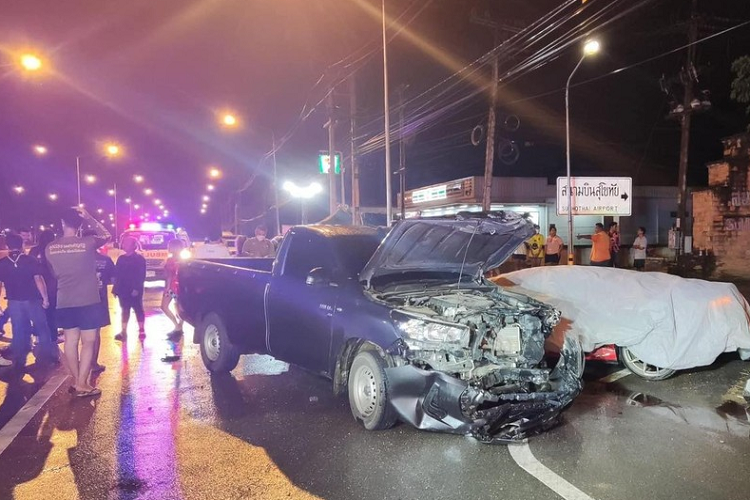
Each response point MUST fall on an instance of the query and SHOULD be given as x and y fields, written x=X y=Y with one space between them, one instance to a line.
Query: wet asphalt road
x=170 y=431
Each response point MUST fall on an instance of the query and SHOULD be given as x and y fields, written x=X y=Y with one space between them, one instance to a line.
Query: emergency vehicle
x=153 y=238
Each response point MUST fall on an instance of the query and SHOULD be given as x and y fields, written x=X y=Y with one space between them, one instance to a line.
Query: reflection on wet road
x=170 y=431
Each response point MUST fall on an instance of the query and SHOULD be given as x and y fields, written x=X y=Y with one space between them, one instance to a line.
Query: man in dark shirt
x=27 y=300
x=130 y=276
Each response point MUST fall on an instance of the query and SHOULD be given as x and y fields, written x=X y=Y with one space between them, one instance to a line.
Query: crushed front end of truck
x=473 y=363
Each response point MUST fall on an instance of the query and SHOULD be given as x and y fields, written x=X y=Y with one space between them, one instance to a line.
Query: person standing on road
x=38 y=252
x=73 y=262
x=27 y=300
x=105 y=274
x=130 y=278
x=553 y=247
x=639 y=249
x=259 y=247
x=213 y=248
x=600 y=245
x=614 y=242
x=171 y=286
x=535 y=246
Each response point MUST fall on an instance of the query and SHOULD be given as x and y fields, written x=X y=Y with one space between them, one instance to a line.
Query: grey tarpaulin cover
x=667 y=321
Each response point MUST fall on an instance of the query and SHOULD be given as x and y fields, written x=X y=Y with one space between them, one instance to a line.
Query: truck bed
x=233 y=287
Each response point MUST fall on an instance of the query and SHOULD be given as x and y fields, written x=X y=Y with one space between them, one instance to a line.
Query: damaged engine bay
x=472 y=362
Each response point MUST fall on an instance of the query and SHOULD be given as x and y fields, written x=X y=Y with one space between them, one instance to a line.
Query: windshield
x=355 y=251
x=150 y=240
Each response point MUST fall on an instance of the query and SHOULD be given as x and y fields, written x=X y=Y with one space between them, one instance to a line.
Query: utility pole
x=402 y=152
x=353 y=144
x=387 y=128
x=275 y=184
x=681 y=224
x=333 y=205
x=489 y=156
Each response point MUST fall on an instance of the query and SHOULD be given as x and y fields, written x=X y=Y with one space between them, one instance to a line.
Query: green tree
x=741 y=82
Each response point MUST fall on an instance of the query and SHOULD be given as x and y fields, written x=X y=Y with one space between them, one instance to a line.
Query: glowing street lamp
x=90 y=179
x=19 y=189
x=590 y=48
x=206 y=197
x=112 y=150
x=203 y=211
x=302 y=193
x=111 y=192
x=148 y=191
x=137 y=206
x=52 y=197
x=128 y=201
x=138 y=178
x=229 y=120
x=210 y=187
x=214 y=173
x=157 y=201
x=99 y=211
x=30 y=62
x=40 y=149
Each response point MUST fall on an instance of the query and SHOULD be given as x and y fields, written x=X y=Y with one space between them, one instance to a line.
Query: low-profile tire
x=217 y=351
x=368 y=392
x=641 y=369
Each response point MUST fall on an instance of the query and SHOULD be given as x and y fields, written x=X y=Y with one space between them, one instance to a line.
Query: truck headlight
x=185 y=254
x=424 y=333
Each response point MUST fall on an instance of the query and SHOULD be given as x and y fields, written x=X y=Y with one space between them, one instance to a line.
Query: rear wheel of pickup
x=218 y=353
x=641 y=368
x=368 y=392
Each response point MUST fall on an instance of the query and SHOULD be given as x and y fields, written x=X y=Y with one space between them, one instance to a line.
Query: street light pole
x=571 y=257
x=590 y=48
x=387 y=113
x=115 y=196
x=78 y=178
x=275 y=184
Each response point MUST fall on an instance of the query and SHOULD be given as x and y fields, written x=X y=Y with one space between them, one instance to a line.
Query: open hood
x=467 y=244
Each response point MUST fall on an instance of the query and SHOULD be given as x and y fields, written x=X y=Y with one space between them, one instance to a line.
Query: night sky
x=154 y=75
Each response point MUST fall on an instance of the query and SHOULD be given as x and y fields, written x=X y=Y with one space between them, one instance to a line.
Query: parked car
x=408 y=327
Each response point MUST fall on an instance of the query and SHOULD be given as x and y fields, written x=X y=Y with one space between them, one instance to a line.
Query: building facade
x=721 y=222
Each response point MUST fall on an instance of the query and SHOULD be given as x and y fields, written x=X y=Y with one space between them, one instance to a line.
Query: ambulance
x=153 y=238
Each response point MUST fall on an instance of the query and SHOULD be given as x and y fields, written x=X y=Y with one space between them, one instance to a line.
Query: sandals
x=87 y=394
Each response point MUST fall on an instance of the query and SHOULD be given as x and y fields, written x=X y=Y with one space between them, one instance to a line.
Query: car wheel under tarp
x=218 y=353
x=641 y=368
x=368 y=392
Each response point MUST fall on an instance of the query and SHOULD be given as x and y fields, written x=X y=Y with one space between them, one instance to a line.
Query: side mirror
x=319 y=277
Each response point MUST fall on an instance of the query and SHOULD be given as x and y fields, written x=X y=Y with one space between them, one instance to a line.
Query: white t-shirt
x=640 y=253
x=211 y=251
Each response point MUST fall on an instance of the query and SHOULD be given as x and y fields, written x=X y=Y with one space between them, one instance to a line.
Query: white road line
x=16 y=424
x=612 y=377
x=521 y=453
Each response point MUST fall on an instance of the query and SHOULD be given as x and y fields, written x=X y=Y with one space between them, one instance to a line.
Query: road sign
x=324 y=162
x=596 y=195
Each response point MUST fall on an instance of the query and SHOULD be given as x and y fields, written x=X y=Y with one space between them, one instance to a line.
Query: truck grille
x=152 y=263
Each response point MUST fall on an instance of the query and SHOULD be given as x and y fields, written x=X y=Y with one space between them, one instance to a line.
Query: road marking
x=522 y=455
x=16 y=424
x=612 y=377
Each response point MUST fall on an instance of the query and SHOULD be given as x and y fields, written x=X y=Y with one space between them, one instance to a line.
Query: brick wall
x=721 y=213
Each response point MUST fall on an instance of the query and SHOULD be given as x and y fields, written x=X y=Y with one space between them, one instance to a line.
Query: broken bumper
x=436 y=401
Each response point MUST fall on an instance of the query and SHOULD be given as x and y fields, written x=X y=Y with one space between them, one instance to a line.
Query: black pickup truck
x=406 y=323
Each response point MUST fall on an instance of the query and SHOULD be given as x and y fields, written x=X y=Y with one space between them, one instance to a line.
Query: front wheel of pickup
x=218 y=353
x=368 y=392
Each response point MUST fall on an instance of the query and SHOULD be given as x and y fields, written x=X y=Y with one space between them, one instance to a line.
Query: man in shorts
x=73 y=262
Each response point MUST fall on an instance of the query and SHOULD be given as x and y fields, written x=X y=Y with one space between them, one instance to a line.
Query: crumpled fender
x=436 y=401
